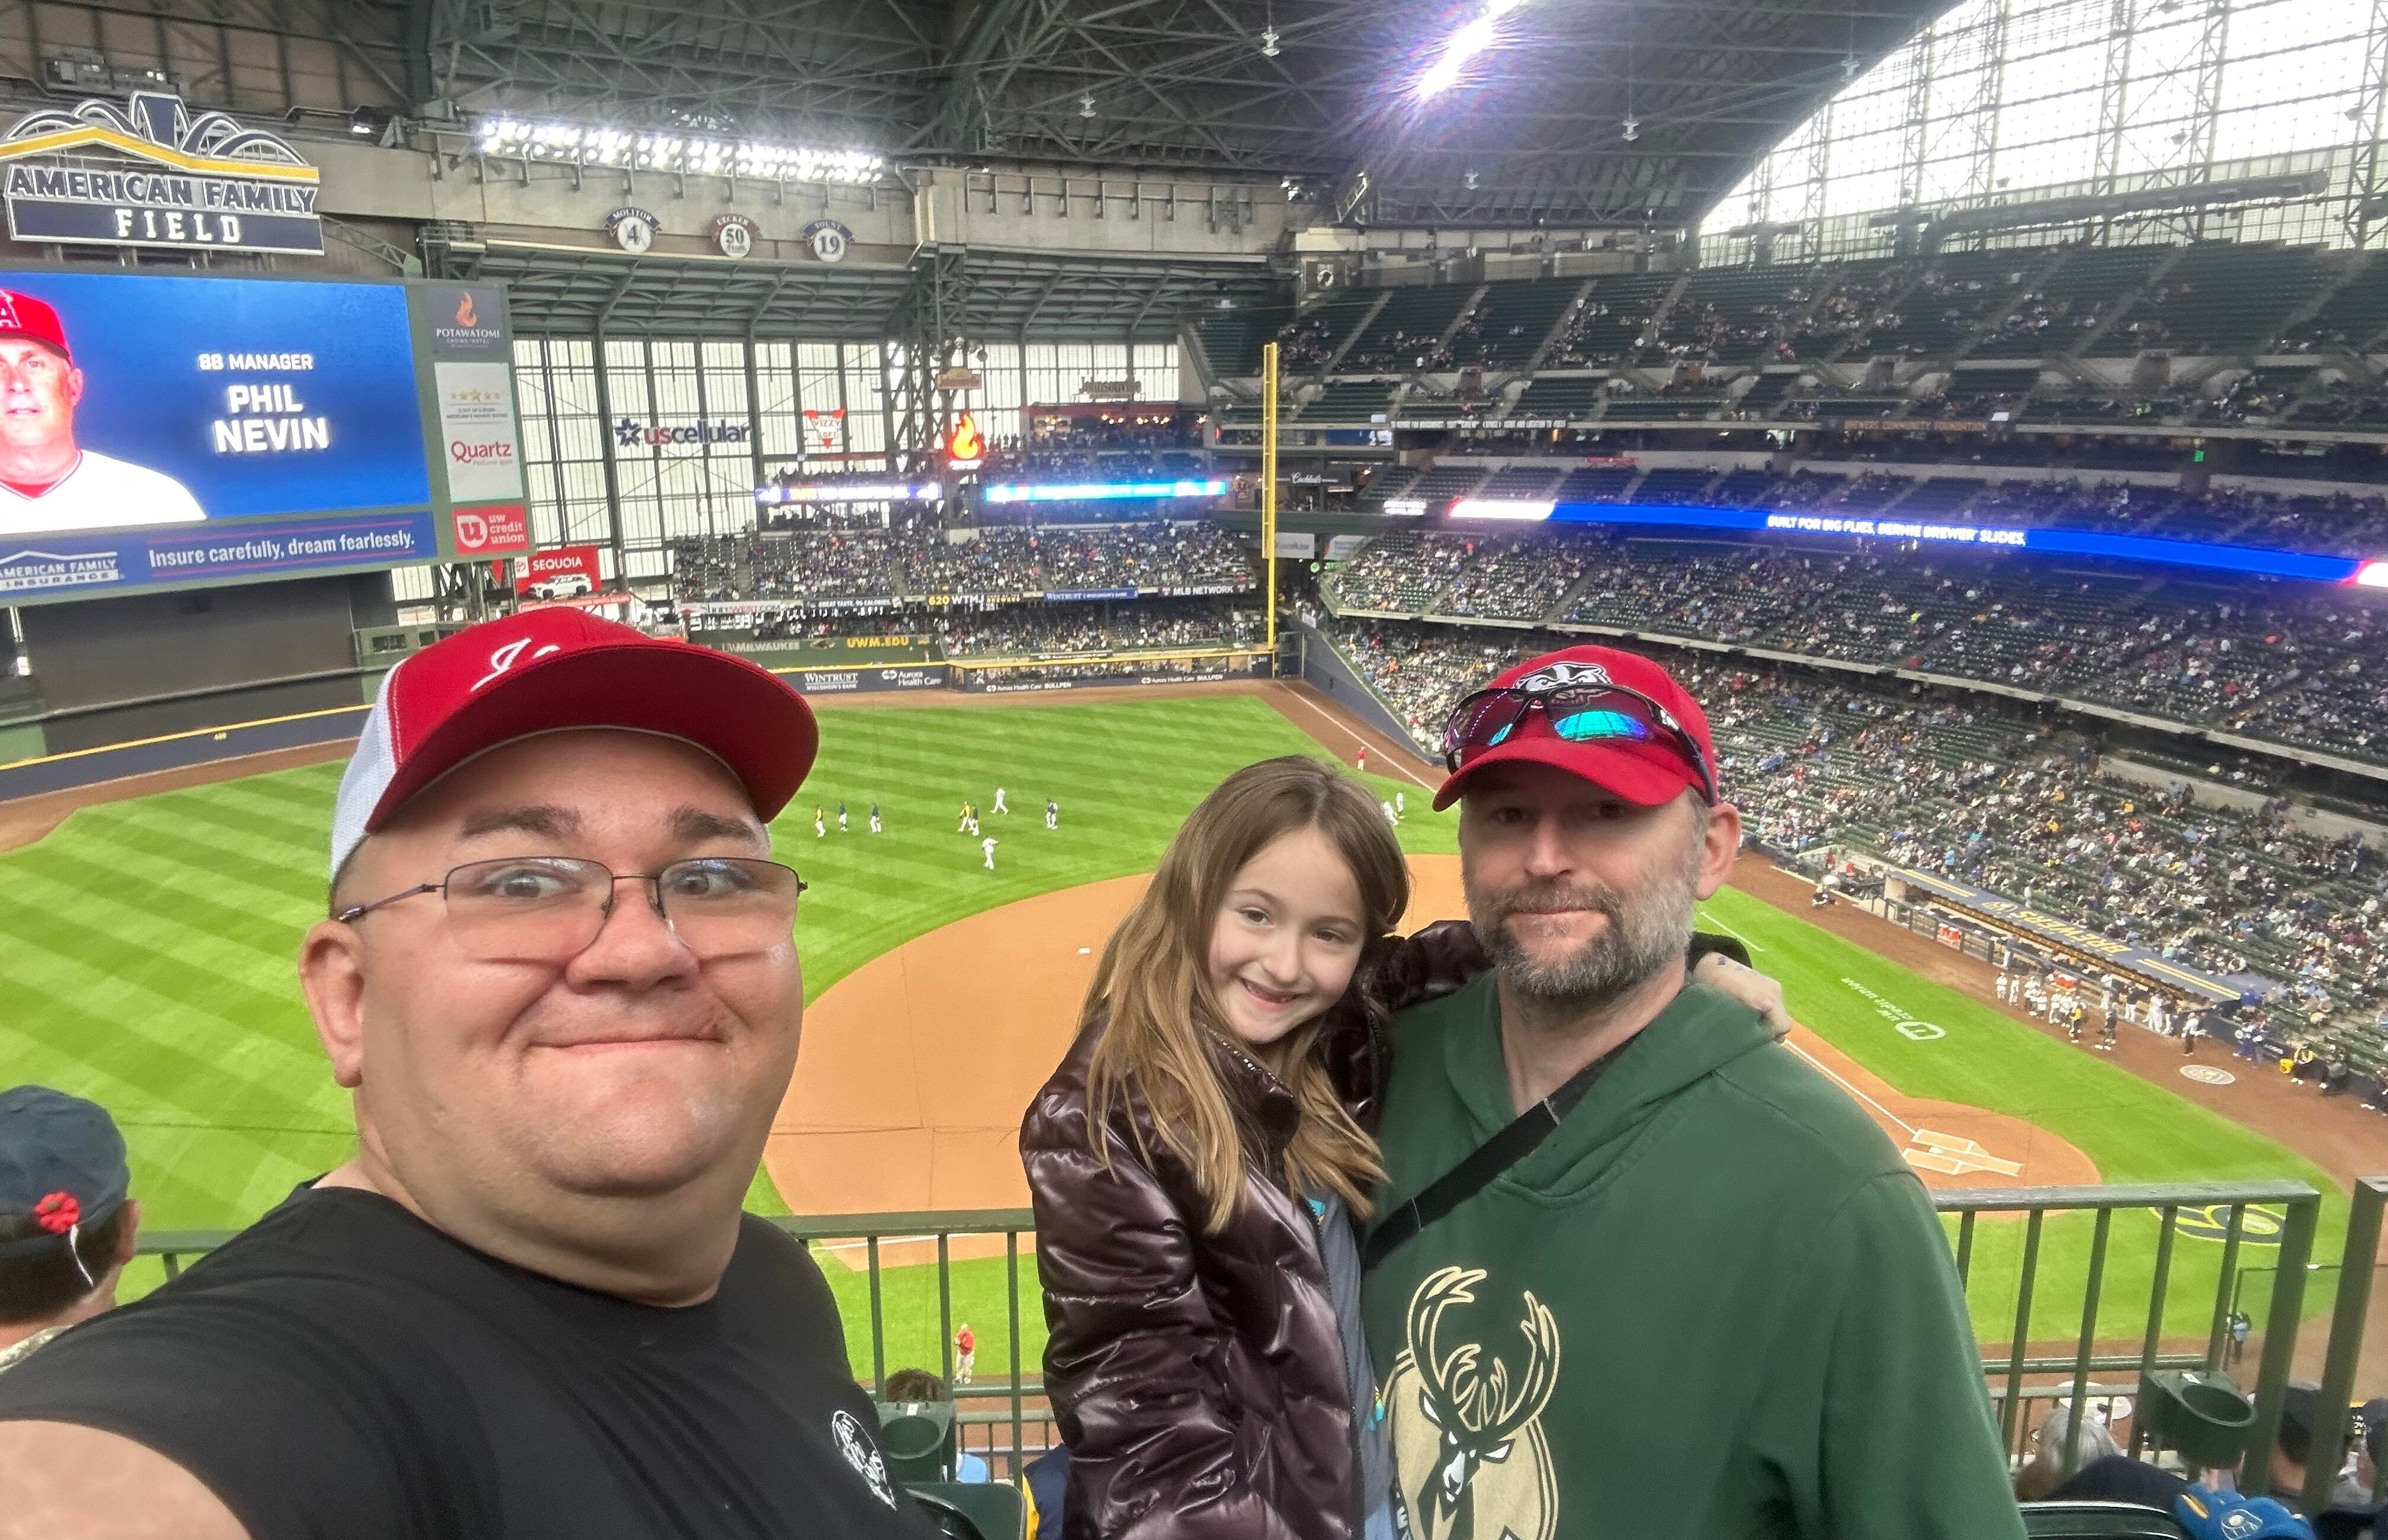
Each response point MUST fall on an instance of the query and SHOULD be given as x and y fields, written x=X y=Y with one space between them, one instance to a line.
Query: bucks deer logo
x=1468 y=1431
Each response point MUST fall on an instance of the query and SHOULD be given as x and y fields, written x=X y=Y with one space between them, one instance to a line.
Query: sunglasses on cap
x=1578 y=714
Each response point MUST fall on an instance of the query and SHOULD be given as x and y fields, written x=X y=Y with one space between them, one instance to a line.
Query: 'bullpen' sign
x=149 y=173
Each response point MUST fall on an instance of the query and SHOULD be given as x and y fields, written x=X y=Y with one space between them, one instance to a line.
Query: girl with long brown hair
x=1191 y=1163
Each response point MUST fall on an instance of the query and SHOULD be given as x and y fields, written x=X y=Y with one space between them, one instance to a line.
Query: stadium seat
x=2086 y=1520
x=991 y=1511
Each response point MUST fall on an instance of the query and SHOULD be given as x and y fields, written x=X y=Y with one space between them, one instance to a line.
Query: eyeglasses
x=549 y=908
x=1577 y=713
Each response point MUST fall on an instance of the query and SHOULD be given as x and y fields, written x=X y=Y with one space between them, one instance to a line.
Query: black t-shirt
x=341 y=1369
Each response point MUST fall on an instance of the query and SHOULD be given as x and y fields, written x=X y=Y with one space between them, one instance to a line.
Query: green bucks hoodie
x=1715 y=1303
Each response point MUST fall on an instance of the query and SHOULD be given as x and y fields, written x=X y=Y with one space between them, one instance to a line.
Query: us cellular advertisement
x=167 y=429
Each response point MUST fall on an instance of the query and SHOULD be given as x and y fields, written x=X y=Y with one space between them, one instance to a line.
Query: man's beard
x=1648 y=930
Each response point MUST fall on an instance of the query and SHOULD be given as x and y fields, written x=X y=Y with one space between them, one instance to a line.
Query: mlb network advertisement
x=174 y=431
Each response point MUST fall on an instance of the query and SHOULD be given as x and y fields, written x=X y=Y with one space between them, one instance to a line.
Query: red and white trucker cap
x=549 y=671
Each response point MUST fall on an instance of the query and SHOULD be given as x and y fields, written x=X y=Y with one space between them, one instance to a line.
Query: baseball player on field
x=988 y=845
x=820 y=826
x=1052 y=814
x=874 y=818
x=961 y=824
x=841 y=815
x=998 y=801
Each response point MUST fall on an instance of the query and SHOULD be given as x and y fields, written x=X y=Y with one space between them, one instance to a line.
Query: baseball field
x=150 y=966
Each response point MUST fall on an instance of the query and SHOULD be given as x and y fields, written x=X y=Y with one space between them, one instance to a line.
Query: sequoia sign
x=148 y=174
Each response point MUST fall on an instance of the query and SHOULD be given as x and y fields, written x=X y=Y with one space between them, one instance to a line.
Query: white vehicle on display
x=563 y=585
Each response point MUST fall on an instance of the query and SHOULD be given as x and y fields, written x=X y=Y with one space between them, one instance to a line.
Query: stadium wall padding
x=1324 y=666
x=218 y=708
x=104 y=652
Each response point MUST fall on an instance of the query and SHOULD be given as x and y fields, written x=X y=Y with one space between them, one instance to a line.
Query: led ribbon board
x=2313 y=567
x=1101 y=492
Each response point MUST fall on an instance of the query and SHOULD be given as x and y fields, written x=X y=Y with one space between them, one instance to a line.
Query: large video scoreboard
x=168 y=431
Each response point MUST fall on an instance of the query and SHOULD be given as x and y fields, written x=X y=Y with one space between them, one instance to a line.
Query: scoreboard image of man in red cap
x=48 y=481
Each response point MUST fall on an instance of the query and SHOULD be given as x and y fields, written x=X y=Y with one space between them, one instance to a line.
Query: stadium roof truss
x=942 y=297
x=1315 y=90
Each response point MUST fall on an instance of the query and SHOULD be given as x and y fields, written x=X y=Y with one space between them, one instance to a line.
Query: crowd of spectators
x=1593 y=333
x=846 y=564
x=1143 y=624
x=1399 y=350
x=1980 y=790
x=2299 y=664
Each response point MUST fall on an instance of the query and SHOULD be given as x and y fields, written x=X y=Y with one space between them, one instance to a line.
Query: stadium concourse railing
x=2016 y=1374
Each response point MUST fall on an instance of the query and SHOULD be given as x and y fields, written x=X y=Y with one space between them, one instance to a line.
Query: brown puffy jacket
x=1198 y=1379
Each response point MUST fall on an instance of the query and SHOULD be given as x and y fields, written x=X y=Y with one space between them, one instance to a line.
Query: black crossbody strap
x=1473 y=1175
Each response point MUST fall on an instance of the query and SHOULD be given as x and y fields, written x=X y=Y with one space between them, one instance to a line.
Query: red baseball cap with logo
x=1645 y=771
x=22 y=316
x=550 y=670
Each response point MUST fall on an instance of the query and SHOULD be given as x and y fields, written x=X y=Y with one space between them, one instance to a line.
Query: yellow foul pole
x=1268 y=487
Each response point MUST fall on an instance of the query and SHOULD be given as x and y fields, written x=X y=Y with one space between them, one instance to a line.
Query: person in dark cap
x=67 y=1228
x=558 y=976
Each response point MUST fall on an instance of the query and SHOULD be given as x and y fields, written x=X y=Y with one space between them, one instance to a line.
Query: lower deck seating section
x=1982 y=790
x=1403 y=571
x=846 y=564
x=2296 y=663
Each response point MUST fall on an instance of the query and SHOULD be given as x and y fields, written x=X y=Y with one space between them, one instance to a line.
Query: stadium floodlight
x=1519 y=509
x=1472 y=39
x=694 y=154
x=1268 y=44
x=2372 y=575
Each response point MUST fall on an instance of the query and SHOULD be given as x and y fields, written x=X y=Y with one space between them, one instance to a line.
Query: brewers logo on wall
x=148 y=174
x=633 y=229
x=1468 y=1425
x=733 y=234
x=828 y=239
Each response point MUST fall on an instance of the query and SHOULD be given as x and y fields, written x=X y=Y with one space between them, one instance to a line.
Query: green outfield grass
x=150 y=944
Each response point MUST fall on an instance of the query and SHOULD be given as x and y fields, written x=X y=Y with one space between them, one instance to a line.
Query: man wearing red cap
x=47 y=481
x=1637 y=1265
x=559 y=981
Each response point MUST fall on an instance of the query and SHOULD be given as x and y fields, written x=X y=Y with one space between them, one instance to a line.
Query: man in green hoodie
x=1710 y=1299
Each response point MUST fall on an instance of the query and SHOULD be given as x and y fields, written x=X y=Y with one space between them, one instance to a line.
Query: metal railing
x=2015 y=1375
x=2300 y=1218
x=2348 y=1317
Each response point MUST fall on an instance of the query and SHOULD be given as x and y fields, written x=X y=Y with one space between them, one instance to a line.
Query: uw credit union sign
x=150 y=173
